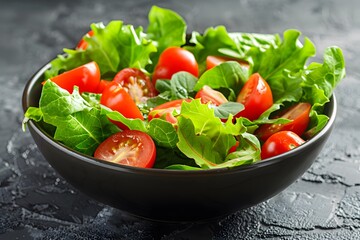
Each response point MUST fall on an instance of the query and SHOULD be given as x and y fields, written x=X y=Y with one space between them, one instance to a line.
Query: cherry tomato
x=233 y=148
x=129 y=147
x=102 y=84
x=280 y=142
x=173 y=60
x=82 y=44
x=212 y=61
x=137 y=83
x=165 y=111
x=299 y=114
x=256 y=96
x=118 y=99
x=86 y=77
x=209 y=95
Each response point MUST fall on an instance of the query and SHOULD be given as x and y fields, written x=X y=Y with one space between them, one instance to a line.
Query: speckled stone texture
x=36 y=203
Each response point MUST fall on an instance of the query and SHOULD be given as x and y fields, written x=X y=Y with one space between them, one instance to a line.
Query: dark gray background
x=36 y=203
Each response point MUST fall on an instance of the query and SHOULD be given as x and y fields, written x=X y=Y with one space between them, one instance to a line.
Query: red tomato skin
x=116 y=98
x=299 y=114
x=233 y=148
x=137 y=83
x=279 y=143
x=133 y=148
x=102 y=85
x=82 y=44
x=256 y=96
x=213 y=61
x=86 y=77
x=173 y=60
x=164 y=111
x=209 y=95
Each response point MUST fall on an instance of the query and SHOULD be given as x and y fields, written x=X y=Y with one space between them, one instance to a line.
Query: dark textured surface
x=36 y=203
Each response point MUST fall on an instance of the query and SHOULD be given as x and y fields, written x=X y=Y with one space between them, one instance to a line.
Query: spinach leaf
x=229 y=75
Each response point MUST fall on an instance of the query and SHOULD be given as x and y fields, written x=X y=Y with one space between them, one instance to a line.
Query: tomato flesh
x=213 y=61
x=86 y=77
x=129 y=147
x=280 y=142
x=82 y=44
x=137 y=84
x=299 y=114
x=118 y=99
x=173 y=60
x=209 y=95
x=256 y=96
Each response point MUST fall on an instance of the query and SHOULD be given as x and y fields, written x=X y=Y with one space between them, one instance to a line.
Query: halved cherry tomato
x=86 y=77
x=82 y=44
x=280 y=142
x=213 y=61
x=256 y=96
x=209 y=95
x=118 y=99
x=165 y=111
x=173 y=60
x=102 y=84
x=129 y=147
x=299 y=114
x=137 y=83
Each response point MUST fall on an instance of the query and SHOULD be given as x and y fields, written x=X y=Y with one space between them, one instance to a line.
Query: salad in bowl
x=164 y=98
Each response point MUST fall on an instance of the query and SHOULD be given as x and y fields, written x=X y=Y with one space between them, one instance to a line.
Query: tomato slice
x=137 y=84
x=280 y=142
x=118 y=99
x=298 y=113
x=173 y=60
x=165 y=111
x=129 y=147
x=213 y=61
x=256 y=96
x=209 y=95
x=82 y=44
x=86 y=77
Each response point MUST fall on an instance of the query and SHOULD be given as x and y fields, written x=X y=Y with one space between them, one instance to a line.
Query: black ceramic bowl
x=175 y=195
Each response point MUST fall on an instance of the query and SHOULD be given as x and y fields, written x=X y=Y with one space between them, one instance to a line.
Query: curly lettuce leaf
x=277 y=64
x=78 y=125
x=113 y=47
x=218 y=42
x=319 y=83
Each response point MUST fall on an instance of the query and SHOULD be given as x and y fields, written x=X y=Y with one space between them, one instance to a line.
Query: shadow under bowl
x=174 y=195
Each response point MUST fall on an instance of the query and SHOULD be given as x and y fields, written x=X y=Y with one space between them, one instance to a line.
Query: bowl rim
x=168 y=172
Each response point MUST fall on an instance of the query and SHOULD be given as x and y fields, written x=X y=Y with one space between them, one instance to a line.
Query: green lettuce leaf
x=229 y=75
x=319 y=84
x=78 y=125
x=113 y=47
x=166 y=28
x=276 y=64
x=218 y=42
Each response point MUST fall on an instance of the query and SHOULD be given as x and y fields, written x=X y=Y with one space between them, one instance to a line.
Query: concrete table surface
x=36 y=203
